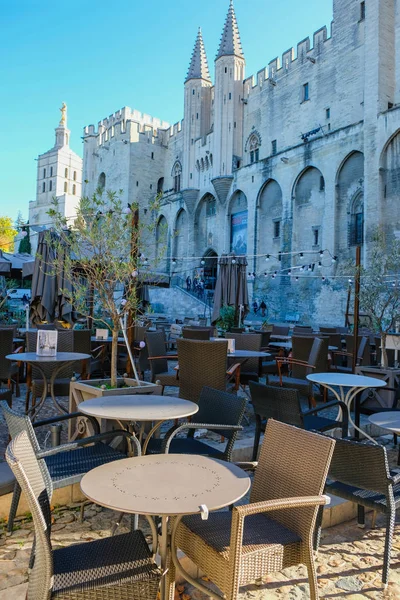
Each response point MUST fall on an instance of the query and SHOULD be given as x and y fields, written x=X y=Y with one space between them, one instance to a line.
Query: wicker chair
x=363 y=355
x=360 y=473
x=157 y=355
x=317 y=358
x=110 y=568
x=250 y=369
x=275 y=530
x=66 y=463
x=280 y=330
x=283 y=404
x=219 y=412
x=9 y=370
x=204 y=364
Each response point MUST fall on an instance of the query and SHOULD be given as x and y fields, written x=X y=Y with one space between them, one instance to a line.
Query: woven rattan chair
x=250 y=369
x=158 y=358
x=342 y=360
x=283 y=404
x=204 y=364
x=66 y=463
x=9 y=370
x=280 y=330
x=117 y=568
x=275 y=530
x=220 y=412
x=360 y=473
x=317 y=358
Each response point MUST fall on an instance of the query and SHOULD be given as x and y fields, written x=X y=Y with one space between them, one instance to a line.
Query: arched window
x=253 y=145
x=44 y=186
x=74 y=175
x=50 y=185
x=207 y=163
x=357 y=221
x=74 y=190
x=202 y=164
x=65 y=187
x=211 y=208
x=160 y=185
x=177 y=176
x=66 y=172
x=101 y=183
x=198 y=165
x=44 y=173
x=51 y=171
x=211 y=159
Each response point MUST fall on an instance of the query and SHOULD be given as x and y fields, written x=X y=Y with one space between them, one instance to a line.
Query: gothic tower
x=197 y=107
x=228 y=104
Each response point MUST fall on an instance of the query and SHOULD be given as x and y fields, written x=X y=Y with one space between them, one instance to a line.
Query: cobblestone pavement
x=349 y=561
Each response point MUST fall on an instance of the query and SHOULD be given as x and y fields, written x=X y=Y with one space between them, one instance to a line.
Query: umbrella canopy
x=231 y=286
x=5 y=263
x=49 y=283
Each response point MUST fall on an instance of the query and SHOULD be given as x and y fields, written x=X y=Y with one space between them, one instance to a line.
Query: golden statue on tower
x=63 y=110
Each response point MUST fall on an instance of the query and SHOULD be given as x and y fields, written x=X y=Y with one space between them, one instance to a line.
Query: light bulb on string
x=321 y=253
x=320 y=265
x=290 y=272
x=309 y=268
x=267 y=258
x=126 y=210
x=174 y=262
x=324 y=278
x=233 y=261
x=296 y=278
x=265 y=274
x=350 y=281
x=202 y=262
x=301 y=255
x=134 y=273
x=334 y=259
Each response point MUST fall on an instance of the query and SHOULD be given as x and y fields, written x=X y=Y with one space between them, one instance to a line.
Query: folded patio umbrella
x=231 y=285
x=5 y=264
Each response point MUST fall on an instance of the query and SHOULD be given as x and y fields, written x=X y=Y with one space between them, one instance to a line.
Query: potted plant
x=98 y=255
x=227 y=318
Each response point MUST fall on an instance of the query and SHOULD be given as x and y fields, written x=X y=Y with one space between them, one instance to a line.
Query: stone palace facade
x=296 y=164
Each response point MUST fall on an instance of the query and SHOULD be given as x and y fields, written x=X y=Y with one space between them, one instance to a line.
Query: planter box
x=85 y=390
x=379 y=398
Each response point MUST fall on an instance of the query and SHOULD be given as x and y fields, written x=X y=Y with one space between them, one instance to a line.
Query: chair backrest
x=318 y=355
x=301 y=348
x=6 y=347
x=201 y=364
x=363 y=465
x=195 y=333
x=17 y=423
x=280 y=330
x=155 y=341
x=34 y=479
x=292 y=463
x=220 y=408
x=237 y=329
x=82 y=340
x=248 y=341
x=302 y=329
x=275 y=402
x=363 y=350
x=65 y=343
x=328 y=330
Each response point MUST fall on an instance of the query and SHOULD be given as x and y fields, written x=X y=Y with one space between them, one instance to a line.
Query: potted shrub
x=98 y=255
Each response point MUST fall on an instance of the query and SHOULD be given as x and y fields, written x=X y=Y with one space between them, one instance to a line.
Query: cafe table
x=166 y=485
x=138 y=408
x=389 y=420
x=345 y=387
x=58 y=362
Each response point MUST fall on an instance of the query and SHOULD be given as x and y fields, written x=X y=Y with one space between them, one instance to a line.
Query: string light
x=267 y=258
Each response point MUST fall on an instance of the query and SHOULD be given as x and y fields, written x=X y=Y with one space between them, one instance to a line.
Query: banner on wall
x=239 y=232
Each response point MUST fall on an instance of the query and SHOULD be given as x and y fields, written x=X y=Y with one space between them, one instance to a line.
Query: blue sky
x=98 y=56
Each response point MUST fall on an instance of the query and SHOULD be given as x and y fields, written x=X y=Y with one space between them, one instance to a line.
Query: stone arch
x=101 y=182
x=349 y=189
x=269 y=218
x=177 y=174
x=308 y=201
x=238 y=217
x=205 y=224
x=210 y=268
x=161 y=234
x=390 y=185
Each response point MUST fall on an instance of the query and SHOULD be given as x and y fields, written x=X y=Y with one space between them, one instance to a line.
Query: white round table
x=389 y=420
x=349 y=386
x=247 y=354
x=166 y=485
x=139 y=408
x=58 y=361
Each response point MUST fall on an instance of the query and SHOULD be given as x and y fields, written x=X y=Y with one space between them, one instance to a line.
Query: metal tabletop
x=138 y=407
x=389 y=420
x=32 y=357
x=165 y=484
x=346 y=380
x=248 y=354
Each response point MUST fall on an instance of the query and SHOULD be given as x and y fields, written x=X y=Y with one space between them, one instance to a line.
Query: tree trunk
x=384 y=357
x=114 y=356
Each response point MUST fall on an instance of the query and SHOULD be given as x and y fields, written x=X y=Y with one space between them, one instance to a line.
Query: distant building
x=59 y=175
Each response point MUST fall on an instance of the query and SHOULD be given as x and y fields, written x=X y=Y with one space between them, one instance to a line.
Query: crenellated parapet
x=291 y=60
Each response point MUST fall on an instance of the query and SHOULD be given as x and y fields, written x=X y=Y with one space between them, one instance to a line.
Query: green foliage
x=227 y=318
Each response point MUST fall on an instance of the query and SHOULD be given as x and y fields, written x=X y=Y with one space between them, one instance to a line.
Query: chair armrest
x=18 y=350
x=167 y=356
x=281 y=504
x=395 y=478
x=232 y=369
x=74 y=415
x=84 y=442
x=293 y=361
x=172 y=433
x=247 y=466
x=313 y=411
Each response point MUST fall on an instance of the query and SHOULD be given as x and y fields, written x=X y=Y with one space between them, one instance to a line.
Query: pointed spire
x=198 y=68
x=230 y=40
